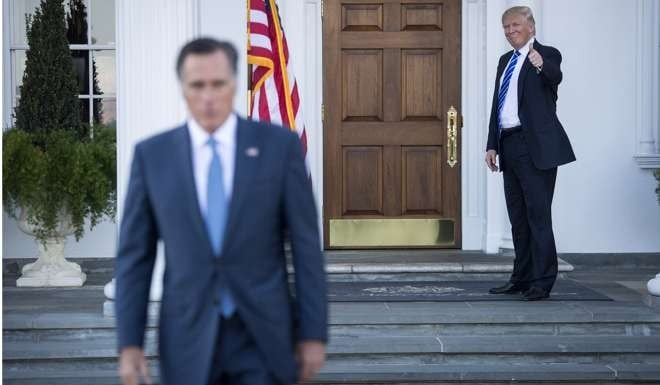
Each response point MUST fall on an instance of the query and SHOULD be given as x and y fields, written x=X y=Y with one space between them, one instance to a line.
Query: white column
x=648 y=94
x=149 y=36
x=495 y=45
x=7 y=102
x=647 y=122
x=647 y=76
x=475 y=124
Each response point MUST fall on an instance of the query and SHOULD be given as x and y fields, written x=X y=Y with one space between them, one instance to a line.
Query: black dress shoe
x=507 y=288
x=535 y=294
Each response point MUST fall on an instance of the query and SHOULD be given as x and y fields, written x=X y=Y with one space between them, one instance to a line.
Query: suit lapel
x=523 y=74
x=189 y=186
x=247 y=156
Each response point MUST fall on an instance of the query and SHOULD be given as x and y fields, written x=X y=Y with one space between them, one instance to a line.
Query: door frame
x=483 y=215
x=329 y=189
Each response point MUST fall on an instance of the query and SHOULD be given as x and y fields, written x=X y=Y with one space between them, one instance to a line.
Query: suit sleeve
x=301 y=220
x=491 y=144
x=551 y=72
x=136 y=255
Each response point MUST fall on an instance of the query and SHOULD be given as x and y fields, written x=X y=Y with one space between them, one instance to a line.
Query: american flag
x=274 y=90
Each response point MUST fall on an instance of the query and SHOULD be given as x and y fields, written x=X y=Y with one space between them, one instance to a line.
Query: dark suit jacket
x=546 y=139
x=271 y=193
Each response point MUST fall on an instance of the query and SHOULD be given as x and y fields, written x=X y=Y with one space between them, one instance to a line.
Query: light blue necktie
x=216 y=218
x=505 y=88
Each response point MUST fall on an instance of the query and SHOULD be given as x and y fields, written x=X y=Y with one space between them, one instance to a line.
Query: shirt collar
x=225 y=134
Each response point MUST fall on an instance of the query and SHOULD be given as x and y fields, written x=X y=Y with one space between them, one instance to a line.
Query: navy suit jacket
x=271 y=194
x=537 y=109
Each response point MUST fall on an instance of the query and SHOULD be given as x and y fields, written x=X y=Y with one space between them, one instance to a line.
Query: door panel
x=391 y=73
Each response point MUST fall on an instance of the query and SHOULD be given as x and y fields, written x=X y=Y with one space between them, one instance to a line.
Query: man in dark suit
x=530 y=142
x=221 y=192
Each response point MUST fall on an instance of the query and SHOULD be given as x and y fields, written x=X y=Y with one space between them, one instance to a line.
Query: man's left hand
x=310 y=356
x=535 y=57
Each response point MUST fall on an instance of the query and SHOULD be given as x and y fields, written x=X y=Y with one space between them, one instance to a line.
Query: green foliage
x=657 y=189
x=49 y=94
x=66 y=175
x=53 y=164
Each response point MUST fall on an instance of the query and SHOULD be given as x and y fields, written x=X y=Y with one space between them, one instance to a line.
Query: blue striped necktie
x=504 y=88
x=216 y=217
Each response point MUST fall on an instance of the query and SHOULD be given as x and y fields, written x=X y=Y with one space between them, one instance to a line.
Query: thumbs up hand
x=535 y=58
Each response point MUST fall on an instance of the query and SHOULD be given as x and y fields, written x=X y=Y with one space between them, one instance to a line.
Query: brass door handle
x=452 y=136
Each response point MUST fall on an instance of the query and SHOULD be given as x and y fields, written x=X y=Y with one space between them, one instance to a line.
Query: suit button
x=216 y=301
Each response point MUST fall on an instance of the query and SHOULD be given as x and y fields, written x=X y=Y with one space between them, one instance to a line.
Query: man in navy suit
x=530 y=142
x=221 y=192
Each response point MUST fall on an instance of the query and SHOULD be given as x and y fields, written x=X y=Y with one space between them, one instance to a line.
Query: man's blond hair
x=523 y=11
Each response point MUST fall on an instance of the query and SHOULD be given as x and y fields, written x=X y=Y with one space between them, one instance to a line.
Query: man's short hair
x=523 y=11
x=207 y=46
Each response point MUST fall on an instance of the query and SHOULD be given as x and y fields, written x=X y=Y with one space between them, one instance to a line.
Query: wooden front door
x=391 y=138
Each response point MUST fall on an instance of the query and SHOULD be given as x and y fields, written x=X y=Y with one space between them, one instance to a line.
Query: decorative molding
x=647 y=93
x=648 y=161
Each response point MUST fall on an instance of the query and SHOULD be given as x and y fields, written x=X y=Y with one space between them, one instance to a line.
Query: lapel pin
x=252 y=152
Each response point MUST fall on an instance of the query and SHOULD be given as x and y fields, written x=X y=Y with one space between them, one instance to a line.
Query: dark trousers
x=529 y=192
x=237 y=360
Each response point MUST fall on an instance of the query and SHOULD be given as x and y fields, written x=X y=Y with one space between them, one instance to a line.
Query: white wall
x=609 y=105
x=604 y=201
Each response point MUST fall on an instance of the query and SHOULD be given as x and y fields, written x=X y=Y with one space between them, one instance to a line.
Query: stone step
x=387 y=265
x=37 y=336
x=394 y=265
x=86 y=309
x=351 y=261
x=105 y=372
x=487 y=320
x=383 y=347
x=479 y=374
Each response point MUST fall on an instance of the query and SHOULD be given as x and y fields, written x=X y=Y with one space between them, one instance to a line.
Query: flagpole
x=249 y=66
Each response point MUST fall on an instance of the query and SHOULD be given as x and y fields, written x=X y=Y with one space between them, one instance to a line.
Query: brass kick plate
x=391 y=232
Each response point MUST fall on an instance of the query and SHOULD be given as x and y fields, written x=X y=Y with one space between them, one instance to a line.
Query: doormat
x=454 y=291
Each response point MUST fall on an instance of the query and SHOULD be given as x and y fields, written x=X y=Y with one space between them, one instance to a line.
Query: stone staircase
x=67 y=336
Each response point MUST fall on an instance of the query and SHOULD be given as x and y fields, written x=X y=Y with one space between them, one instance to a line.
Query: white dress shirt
x=225 y=137
x=509 y=116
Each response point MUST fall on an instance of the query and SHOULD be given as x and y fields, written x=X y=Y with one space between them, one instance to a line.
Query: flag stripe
x=283 y=64
x=258 y=16
x=275 y=93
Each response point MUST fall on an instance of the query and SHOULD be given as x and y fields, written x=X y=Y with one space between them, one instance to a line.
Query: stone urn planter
x=653 y=286
x=54 y=162
x=156 y=290
x=51 y=268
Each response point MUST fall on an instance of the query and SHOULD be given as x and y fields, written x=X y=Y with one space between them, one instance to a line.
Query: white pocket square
x=252 y=152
